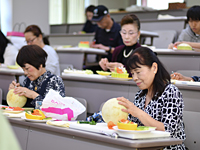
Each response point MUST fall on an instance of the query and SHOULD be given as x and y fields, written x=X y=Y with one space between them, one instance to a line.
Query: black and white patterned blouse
x=53 y=82
x=168 y=109
x=196 y=78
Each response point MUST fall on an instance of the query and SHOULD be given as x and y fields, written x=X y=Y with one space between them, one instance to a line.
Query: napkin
x=58 y=123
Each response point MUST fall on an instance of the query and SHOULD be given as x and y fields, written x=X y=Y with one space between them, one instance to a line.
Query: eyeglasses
x=130 y=33
x=31 y=41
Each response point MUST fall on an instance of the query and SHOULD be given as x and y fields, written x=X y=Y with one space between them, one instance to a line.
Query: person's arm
x=196 y=78
x=178 y=76
x=145 y=118
x=10 y=55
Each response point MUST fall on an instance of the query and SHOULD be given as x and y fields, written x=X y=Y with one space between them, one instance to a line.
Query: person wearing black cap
x=107 y=34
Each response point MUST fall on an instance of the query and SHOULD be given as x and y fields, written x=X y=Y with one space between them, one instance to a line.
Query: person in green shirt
x=8 y=140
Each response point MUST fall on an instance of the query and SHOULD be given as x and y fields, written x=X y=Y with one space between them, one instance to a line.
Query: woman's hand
x=112 y=65
x=22 y=91
x=145 y=118
x=170 y=46
x=103 y=63
x=130 y=107
x=100 y=46
x=13 y=85
x=178 y=76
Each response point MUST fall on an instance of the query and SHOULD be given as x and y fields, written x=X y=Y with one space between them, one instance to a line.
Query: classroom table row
x=97 y=89
x=173 y=60
x=74 y=38
x=40 y=136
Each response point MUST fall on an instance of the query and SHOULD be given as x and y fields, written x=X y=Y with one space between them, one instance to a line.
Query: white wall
x=190 y=3
x=6 y=15
x=32 y=12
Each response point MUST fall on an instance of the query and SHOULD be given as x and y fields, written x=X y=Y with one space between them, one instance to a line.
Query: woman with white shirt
x=33 y=36
x=8 y=52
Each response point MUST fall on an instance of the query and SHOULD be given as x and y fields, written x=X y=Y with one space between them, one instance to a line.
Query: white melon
x=111 y=111
x=184 y=46
x=14 y=100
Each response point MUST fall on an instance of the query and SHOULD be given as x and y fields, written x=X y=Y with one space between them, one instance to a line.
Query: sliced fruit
x=110 y=125
x=36 y=115
x=127 y=126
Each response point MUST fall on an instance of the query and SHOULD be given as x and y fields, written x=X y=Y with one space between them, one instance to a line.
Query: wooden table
x=40 y=136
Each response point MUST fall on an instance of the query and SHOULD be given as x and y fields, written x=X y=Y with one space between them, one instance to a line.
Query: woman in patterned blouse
x=178 y=76
x=158 y=103
x=38 y=81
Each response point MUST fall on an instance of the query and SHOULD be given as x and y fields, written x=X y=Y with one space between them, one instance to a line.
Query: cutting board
x=99 y=127
x=188 y=83
x=95 y=76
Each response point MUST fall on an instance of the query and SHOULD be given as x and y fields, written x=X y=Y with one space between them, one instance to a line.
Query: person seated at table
x=8 y=52
x=178 y=76
x=190 y=35
x=8 y=140
x=89 y=26
x=38 y=80
x=107 y=34
x=130 y=32
x=33 y=36
x=158 y=103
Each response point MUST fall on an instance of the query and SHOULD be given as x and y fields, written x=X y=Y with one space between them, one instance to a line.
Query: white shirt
x=52 y=63
x=10 y=55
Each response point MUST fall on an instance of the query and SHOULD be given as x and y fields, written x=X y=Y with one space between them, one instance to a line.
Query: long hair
x=3 y=44
x=145 y=56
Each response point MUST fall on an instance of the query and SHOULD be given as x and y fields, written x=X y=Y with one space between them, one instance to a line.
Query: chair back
x=165 y=38
x=82 y=116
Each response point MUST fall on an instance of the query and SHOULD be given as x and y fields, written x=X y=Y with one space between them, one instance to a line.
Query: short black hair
x=3 y=44
x=131 y=19
x=145 y=56
x=90 y=9
x=33 y=55
x=193 y=13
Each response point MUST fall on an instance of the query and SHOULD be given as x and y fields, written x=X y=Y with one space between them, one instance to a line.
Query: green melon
x=14 y=100
x=111 y=111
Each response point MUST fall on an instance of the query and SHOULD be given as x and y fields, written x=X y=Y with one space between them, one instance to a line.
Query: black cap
x=99 y=12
